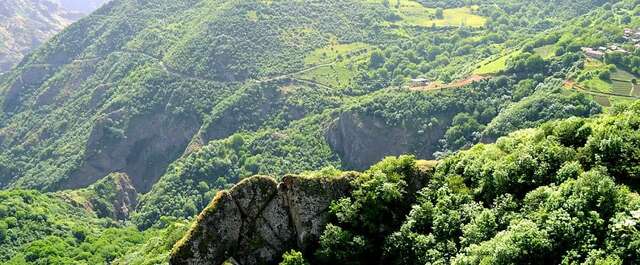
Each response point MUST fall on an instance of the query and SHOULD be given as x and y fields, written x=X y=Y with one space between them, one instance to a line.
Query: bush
x=293 y=257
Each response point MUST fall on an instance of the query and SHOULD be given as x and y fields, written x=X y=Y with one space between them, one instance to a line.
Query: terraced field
x=635 y=91
x=620 y=87
x=602 y=100
x=620 y=83
x=622 y=75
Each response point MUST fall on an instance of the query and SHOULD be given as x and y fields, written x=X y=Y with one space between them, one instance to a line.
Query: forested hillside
x=138 y=115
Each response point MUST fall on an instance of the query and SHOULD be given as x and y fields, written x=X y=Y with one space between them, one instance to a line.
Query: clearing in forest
x=455 y=84
x=336 y=64
x=412 y=13
x=618 y=83
x=335 y=52
x=488 y=67
x=546 y=52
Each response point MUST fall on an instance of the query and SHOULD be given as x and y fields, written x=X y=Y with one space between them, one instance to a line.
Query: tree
x=293 y=257
x=376 y=60
x=439 y=13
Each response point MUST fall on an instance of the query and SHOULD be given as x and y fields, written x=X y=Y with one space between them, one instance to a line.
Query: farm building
x=417 y=82
x=595 y=54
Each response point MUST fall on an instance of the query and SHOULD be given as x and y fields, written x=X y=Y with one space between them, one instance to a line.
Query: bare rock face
x=215 y=235
x=142 y=149
x=361 y=140
x=309 y=201
x=126 y=197
x=258 y=220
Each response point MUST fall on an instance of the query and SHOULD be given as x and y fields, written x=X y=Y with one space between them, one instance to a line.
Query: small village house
x=591 y=53
x=418 y=82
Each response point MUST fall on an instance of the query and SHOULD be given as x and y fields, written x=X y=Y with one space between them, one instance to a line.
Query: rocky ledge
x=259 y=219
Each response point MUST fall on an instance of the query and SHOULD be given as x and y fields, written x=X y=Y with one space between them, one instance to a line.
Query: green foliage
x=293 y=257
x=199 y=95
x=464 y=129
x=613 y=144
x=382 y=194
x=543 y=195
x=511 y=247
x=547 y=103
x=37 y=228
x=526 y=64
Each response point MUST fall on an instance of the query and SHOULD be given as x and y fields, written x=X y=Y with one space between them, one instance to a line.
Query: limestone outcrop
x=259 y=219
x=361 y=139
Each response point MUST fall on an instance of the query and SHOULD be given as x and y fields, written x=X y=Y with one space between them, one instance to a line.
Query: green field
x=621 y=88
x=335 y=51
x=622 y=75
x=620 y=83
x=602 y=100
x=342 y=59
x=494 y=66
x=413 y=13
x=336 y=76
x=546 y=51
x=619 y=100
x=598 y=85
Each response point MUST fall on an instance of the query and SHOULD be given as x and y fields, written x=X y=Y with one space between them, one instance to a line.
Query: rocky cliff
x=259 y=219
x=361 y=139
x=113 y=196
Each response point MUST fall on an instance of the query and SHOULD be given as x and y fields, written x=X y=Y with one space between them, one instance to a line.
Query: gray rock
x=258 y=220
x=215 y=235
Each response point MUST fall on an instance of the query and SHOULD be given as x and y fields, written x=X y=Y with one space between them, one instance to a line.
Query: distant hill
x=26 y=24
x=82 y=6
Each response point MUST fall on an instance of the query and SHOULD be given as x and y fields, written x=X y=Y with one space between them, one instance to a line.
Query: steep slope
x=130 y=87
x=133 y=99
x=177 y=100
x=563 y=192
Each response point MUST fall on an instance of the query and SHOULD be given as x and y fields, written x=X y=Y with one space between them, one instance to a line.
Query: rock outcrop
x=361 y=140
x=113 y=197
x=143 y=149
x=258 y=220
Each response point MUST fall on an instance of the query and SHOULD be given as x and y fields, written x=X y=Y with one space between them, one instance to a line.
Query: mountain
x=83 y=6
x=26 y=24
x=137 y=115
x=205 y=94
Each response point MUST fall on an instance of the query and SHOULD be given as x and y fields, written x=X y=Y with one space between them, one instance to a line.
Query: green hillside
x=87 y=103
